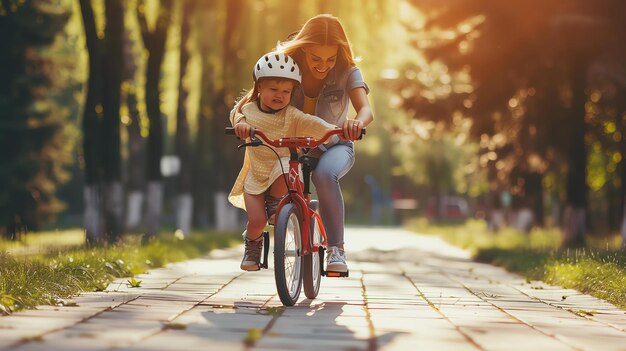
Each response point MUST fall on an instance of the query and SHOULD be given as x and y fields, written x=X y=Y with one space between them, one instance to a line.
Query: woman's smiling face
x=320 y=59
x=275 y=94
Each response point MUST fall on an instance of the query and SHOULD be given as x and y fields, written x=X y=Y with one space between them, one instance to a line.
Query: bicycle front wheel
x=312 y=269
x=287 y=254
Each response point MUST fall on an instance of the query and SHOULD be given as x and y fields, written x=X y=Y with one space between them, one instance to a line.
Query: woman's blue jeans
x=333 y=164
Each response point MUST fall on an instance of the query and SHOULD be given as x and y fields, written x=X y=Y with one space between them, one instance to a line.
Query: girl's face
x=320 y=59
x=275 y=94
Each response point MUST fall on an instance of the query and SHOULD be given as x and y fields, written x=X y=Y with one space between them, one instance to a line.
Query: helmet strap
x=268 y=110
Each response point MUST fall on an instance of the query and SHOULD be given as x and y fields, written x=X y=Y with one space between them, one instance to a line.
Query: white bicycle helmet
x=276 y=65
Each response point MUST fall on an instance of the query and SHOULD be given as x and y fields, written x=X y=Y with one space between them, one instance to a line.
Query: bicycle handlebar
x=306 y=142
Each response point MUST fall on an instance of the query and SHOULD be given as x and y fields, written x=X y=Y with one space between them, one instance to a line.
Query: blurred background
x=112 y=112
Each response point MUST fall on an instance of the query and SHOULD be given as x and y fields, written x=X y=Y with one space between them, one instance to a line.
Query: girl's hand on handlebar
x=242 y=130
x=352 y=129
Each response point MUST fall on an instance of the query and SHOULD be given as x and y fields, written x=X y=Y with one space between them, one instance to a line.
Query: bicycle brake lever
x=362 y=133
x=254 y=142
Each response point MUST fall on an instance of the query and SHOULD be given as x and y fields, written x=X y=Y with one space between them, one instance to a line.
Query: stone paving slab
x=406 y=292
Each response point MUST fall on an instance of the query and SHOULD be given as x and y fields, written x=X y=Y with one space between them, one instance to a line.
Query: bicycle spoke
x=292 y=274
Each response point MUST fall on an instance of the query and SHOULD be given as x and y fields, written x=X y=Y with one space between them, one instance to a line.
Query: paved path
x=405 y=292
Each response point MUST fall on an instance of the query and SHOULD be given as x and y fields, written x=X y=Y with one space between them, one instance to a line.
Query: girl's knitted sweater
x=260 y=166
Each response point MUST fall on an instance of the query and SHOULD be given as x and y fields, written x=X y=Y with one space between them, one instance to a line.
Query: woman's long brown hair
x=324 y=30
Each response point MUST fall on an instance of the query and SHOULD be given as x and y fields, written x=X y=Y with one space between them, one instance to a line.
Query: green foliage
x=41 y=242
x=541 y=82
x=46 y=278
x=36 y=139
x=175 y=326
x=134 y=283
x=600 y=273
x=254 y=335
x=444 y=161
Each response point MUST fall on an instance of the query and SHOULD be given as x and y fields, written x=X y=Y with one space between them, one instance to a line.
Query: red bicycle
x=299 y=236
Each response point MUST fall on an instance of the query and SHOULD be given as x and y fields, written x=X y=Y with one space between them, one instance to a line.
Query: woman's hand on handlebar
x=352 y=129
x=242 y=130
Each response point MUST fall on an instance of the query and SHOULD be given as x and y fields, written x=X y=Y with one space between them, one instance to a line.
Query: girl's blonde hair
x=324 y=30
x=246 y=97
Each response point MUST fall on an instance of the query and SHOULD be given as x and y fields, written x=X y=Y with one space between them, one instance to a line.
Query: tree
x=34 y=131
x=203 y=158
x=437 y=159
x=112 y=160
x=101 y=124
x=528 y=75
x=222 y=49
x=154 y=42
x=184 y=202
x=136 y=162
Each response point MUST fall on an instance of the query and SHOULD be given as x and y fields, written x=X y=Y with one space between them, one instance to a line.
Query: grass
x=44 y=241
x=598 y=270
x=37 y=271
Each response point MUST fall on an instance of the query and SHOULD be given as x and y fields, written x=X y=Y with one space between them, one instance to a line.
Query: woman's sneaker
x=336 y=260
x=252 y=254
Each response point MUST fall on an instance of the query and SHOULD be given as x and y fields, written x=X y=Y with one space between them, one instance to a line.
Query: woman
x=330 y=80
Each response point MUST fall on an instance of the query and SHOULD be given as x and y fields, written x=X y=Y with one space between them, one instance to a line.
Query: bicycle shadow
x=310 y=324
x=329 y=322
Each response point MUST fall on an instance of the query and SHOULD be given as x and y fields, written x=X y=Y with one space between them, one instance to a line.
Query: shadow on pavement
x=310 y=325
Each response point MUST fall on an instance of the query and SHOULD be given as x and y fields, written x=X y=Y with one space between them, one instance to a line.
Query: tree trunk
x=622 y=125
x=154 y=200
x=114 y=209
x=112 y=165
x=230 y=44
x=614 y=207
x=93 y=223
x=184 y=201
x=136 y=165
x=136 y=145
x=155 y=45
x=134 y=207
x=184 y=212
x=91 y=127
x=222 y=181
x=155 y=152
x=576 y=203
x=534 y=193
x=204 y=154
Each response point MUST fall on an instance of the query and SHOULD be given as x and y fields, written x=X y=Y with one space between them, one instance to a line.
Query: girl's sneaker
x=252 y=255
x=336 y=260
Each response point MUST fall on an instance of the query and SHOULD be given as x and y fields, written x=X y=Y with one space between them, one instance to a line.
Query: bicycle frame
x=298 y=190
x=301 y=197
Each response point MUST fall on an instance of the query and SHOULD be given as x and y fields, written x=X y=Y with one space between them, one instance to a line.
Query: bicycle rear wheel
x=312 y=271
x=287 y=254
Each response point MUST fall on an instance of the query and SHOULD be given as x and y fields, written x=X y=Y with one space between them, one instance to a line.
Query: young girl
x=260 y=184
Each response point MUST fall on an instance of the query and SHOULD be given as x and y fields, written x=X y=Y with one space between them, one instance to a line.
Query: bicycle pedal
x=332 y=274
